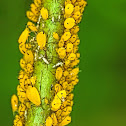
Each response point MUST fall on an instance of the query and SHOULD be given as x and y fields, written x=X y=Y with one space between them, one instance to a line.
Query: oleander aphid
x=49 y=70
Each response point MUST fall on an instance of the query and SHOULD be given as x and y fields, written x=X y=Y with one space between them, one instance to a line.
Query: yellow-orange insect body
x=24 y=36
x=33 y=95
x=59 y=73
x=69 y=8
x=61 y=53
x=32 y=27
x=31 y=16
x=69 y=23
x=44 y=13
x=41 y=39
x=55 y=36
x=49 y=121
x=14 y=103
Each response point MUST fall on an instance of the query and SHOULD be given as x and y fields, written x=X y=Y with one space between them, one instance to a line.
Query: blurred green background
x=100 y=96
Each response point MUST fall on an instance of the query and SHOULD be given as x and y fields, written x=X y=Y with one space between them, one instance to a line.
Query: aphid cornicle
x=38 y=3
x=14 y=103
x=41 y=39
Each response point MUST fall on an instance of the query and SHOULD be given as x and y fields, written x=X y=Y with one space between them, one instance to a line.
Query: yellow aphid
x=38 y=3
x=67 y=62
x=33 y=80
x=78 y=20
x=74 y=63
x=69 y=47
x=67 y=2
x=74 y=72
x=61 y=52
x=14 y=103
x=33 y=95
x=21 y=109
x=74 y=82
x=77 y=42
x=46 y=101
x=61 y=94
x=58 y=88
x=75 y=29
x=21 y=94
x=69 y=8
x=70 y=86
x=70 y=97
x=82 y=9
x=29 y=68
x=77 y=8
x=67 y=103
x=72 y=56
x=18 y=121
x=65 y=73
x=22 y=63
x=34 y=9
x=24 y=36
x=44 y=13
x=82 y=2
x=55 y=105
x=55 y=36
x=28 y=46
x=28 y=57
x=21 y=74
x=62 y=80
x=66 y=36
x=41 y=39
x=73 y=1
x=53 y=116
x=22 y=48
x=65 y=121
x=49 y=121
x=59 y=73
x=73 y=38
x=31 y=16
x=58 y=113
x=28 y=105
x=32 y=27
x=75 y=49
x=66 y=111
x=69 y=23
x=65 y=84
x=78 y=55
x=61 y=43
x=76 y=15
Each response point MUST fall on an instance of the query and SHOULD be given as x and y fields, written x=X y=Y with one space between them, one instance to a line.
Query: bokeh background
x=100 y=96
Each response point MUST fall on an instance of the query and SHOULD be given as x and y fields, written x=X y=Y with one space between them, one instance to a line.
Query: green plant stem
x=45 y=73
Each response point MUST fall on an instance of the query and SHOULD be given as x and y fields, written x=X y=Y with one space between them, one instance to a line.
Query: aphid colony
x=66 y=71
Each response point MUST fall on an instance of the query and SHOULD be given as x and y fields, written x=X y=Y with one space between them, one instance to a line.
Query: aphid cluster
x=66 y=71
